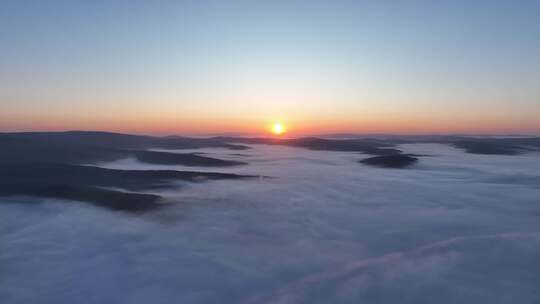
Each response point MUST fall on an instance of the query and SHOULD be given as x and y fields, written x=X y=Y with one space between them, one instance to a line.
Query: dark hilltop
x=390 y=161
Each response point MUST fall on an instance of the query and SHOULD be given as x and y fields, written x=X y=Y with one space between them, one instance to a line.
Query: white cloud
x=325 y=229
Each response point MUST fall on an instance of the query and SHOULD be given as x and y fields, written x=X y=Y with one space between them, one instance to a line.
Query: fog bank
x=317 y=227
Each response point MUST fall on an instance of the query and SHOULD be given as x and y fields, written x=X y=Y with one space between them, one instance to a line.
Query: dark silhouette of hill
x=368 y=146
x=365 y=146
x=390 y=161
x=501 y=146
x=115 y=200
x=96 y=176
x=87 y=183
x=48 y=164
x=477 y=145
x=122 y=141
x=185 y=159
x=24 y=150
x=93 y=147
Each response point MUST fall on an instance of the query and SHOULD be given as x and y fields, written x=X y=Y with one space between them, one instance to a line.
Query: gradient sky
x=168 y=67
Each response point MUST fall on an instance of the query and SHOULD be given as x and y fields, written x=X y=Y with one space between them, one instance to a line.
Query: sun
x=278 y=128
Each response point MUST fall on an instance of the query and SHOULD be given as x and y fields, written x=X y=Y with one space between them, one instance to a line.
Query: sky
x=198 y=67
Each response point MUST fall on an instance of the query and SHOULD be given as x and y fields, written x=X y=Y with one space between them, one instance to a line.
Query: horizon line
x=261 y=134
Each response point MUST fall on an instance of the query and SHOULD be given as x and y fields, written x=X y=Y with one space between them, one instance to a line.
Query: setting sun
x=278 y=128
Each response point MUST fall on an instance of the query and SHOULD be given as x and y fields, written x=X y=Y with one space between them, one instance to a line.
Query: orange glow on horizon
x=256 y=126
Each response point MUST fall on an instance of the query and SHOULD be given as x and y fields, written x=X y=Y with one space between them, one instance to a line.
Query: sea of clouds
x=316 y=227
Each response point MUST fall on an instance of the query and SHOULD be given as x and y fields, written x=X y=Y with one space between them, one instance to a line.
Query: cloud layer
x=317 y=228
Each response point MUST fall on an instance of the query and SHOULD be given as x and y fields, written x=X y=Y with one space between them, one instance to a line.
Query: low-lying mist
x=316 y=227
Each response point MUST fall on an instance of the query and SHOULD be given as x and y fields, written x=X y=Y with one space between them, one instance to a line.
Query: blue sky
x=197 y=66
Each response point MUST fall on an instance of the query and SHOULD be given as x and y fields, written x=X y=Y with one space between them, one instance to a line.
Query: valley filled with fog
x=311 y=227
